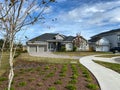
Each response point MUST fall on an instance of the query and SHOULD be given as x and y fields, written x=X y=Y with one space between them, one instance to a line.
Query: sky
x=69 y=17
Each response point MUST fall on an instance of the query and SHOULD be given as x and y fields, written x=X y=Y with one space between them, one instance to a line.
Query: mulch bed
x=42 y=76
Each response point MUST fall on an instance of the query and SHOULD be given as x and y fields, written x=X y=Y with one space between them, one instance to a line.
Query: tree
x=77 y=42
x=14 y=16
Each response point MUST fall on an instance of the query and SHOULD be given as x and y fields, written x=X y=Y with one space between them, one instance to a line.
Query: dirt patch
x=44 y=76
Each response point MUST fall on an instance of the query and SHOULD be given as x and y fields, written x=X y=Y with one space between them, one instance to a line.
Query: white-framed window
x=118 y=44
x=118 y=37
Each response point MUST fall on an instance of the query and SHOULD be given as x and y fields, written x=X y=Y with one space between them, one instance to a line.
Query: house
x=50 y=42
x=106 y=40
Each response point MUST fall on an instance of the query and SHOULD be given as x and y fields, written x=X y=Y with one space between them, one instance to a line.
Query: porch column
x=37 y=49
x=47 y=46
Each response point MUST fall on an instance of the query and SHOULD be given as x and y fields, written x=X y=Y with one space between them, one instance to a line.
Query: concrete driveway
x=107 y=78
x=51 y=55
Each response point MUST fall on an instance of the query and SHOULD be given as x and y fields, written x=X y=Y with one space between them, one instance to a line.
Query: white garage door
x=33 y=49
x=41 y=49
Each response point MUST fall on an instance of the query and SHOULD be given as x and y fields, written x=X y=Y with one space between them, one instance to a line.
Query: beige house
x=52 y=42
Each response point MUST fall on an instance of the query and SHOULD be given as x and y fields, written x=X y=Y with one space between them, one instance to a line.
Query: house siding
x=69 y=46
x=111 y=36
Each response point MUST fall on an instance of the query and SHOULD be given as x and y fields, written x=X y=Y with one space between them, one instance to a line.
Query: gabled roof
x=45 y=37
x=52 y=36
x=106 y=33
x=69 y=38
x=99 y=36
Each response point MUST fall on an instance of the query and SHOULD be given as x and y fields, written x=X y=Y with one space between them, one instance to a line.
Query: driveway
x=51 y=55
x=107 y=78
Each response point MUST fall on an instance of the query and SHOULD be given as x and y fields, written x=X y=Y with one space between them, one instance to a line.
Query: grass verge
x=80 y=53
x=113 y=66
x=109 y=56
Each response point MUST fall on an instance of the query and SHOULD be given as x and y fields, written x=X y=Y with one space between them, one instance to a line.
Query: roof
x=45 y=37
x=106 y=33
x=51 y=36
x=69 y=38
x=99 y=36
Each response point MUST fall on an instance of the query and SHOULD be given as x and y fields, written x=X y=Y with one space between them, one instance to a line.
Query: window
x=118 y=44
x=118 y=37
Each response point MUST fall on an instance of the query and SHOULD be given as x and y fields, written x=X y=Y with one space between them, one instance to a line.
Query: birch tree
x=14 y=16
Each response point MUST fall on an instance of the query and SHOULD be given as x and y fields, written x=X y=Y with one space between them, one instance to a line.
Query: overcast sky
x=88 y=17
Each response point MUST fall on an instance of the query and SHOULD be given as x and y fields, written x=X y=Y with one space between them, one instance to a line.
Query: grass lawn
x=113 y=66
x=35 y=73
x=82 y=53
x=4 y=63
x=27 y=57
x=109 y=56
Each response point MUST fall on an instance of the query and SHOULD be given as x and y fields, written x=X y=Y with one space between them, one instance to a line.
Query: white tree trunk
x=11 y=73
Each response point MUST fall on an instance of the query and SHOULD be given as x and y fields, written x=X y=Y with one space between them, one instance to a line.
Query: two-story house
x=106 y=40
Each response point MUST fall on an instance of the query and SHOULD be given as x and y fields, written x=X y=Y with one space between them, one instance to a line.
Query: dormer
x=59 y=37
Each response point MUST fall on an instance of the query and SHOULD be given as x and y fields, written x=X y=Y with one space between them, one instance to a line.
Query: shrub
x=73 y=81
x=92 y=86
x=71 y=87
x=10 y=88
x=51 y=88
x=50 y=74
x=3 y=79
x=46 y=67
x=74 y=76
x=58 y=82
x=74 y=48
x=22 y=83
x=62 y=49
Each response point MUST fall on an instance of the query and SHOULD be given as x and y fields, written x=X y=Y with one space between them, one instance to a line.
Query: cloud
x=87 y=19
x=97 y=14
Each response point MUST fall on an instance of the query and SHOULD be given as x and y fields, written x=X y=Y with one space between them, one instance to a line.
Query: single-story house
x=106 y=40
x=52 y=42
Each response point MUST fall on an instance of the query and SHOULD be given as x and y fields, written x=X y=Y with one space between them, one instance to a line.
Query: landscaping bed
x=31 y=75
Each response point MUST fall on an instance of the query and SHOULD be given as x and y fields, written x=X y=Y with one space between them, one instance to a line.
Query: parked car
x=115 y=49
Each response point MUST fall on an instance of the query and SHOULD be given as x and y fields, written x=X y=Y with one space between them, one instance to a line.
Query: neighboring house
x=81 y=43
x=106 y=40
x=50 y=42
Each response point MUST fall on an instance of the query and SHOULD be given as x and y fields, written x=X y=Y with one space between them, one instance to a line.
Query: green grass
x=113 y=66
x=92 y=86
x=27 y=57
x=4 y=63
x=109 y=56
x=71 y=87
x=80 y=53
x=51 y=88
x=22 y=84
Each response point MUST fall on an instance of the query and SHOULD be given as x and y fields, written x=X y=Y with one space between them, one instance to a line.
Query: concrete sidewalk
x=107 y=78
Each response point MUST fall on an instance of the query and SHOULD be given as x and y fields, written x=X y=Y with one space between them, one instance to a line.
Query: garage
x=42 y=48
x=33 y=49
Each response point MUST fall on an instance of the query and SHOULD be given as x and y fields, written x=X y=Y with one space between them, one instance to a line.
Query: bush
x=58 y=82
x=74 y=48
x=63 y=49
x=51 y=88
x=92 y=86
x=73 y=81
x=22 y=83
x=71 y=87
x=3 y=79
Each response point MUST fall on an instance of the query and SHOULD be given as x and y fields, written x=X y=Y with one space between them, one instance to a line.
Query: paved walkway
x=107 y=78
